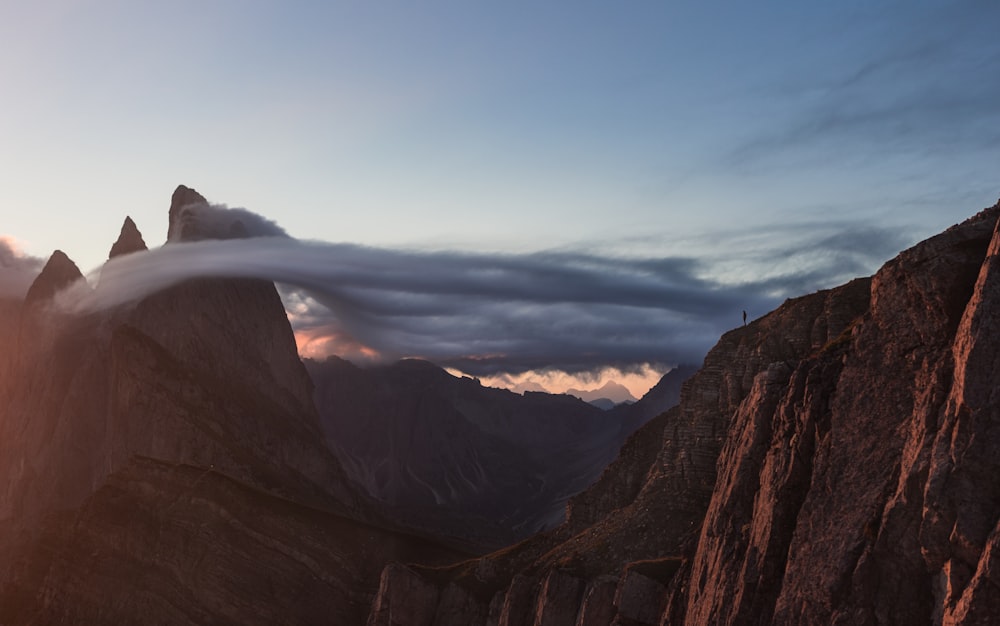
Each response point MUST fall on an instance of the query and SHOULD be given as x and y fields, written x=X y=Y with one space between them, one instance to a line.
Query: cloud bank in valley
x=485 y=314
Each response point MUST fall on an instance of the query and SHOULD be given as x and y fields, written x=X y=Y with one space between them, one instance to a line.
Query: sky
x=691 y=159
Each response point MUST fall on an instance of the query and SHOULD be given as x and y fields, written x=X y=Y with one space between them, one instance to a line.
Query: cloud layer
x=923 y=92
x=218 y=221
x=490 y=313
x=17 y=270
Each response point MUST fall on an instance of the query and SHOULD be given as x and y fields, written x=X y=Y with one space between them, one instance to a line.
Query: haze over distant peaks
x=611 y=390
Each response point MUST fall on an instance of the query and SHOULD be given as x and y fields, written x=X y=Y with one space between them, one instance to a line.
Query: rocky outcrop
x=831 y=463
x=129 y=240
x=182 y=197
x=59 y=272
x=404 y=598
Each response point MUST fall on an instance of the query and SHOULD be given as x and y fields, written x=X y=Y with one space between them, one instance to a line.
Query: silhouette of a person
x=744 y=318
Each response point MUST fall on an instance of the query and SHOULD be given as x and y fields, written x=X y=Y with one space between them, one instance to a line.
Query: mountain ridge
x=611 y=390
x=509 y=461
x=829 y=463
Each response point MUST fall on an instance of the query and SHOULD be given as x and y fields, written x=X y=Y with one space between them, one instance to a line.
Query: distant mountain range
x=605 y=396
x=483 y=465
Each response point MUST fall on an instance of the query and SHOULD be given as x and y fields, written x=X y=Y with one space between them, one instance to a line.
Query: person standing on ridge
x=744 y=317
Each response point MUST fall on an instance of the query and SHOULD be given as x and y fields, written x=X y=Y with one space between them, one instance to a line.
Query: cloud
x=17 y=270
x=489 y=313
x=924 y=91
x=218 y=221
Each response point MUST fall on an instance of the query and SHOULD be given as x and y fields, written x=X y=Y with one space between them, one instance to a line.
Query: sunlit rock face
x=832 y=462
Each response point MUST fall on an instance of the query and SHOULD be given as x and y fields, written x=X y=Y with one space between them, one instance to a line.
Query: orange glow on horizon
x=557 y=381
x=322 y=342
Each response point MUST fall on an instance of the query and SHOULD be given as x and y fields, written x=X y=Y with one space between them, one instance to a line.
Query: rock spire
x=183 y=196
x=59 y=271
x=130 y=240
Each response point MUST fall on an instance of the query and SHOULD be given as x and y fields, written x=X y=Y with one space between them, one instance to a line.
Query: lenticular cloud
x=482 y=313
x=479 y=313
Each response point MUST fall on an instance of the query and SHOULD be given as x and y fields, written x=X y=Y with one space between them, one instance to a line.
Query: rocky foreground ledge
x=835 y=462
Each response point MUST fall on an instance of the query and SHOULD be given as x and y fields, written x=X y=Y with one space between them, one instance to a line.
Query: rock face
x=481 y=465
x=130 y=240
x=175 y=544
x=182 y=197
x=149 y=456
x=828 y=499
x=59 y=271
x=833 y=462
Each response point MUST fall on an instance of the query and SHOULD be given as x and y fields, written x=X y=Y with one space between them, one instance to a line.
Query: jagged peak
x=183 y=196
x=59 y=271
x=129 y=240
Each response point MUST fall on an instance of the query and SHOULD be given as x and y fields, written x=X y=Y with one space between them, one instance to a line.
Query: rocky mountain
x=10 y=321
x=163 y=463
x=481 y=465
x=833 y=462
x=612 y=392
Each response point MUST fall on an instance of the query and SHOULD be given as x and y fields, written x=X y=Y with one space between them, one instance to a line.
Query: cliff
x=162 y=462
x=832 y=462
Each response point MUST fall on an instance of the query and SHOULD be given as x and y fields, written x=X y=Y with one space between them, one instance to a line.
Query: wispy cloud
x=927 y=89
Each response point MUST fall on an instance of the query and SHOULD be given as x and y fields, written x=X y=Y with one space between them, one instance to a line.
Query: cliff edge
x=834 y=462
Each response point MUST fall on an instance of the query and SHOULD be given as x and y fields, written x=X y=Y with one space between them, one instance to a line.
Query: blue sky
x=730 y=133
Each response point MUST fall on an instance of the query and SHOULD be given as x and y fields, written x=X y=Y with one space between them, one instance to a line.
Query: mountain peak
x=611 y=390
x=130 y=240
x=183 y=196
x=59 y=271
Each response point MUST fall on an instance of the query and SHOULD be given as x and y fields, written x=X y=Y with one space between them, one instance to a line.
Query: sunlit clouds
x=637 y=380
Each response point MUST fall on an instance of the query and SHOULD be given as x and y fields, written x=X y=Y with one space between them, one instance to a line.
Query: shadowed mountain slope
x=483 y=465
